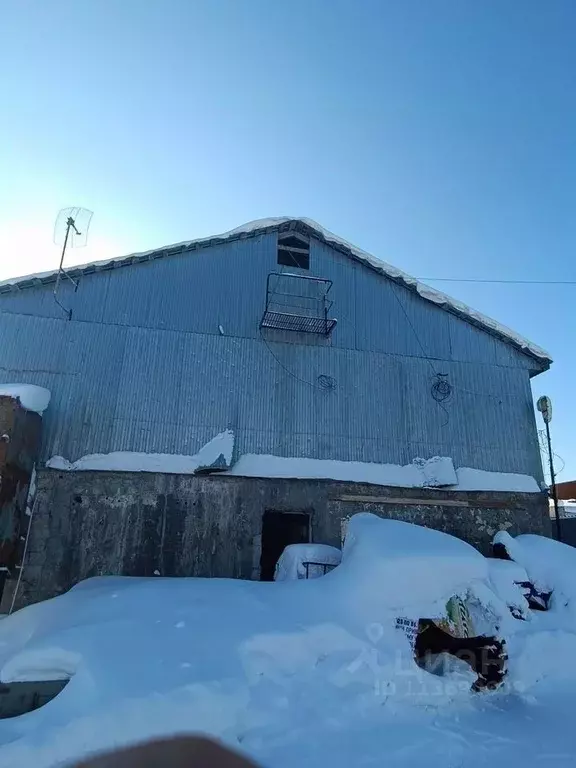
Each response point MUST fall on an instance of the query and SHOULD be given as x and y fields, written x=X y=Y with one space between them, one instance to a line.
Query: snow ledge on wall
x=437 y=472
x=32 y=398
x=432 y=473
x=214 y=456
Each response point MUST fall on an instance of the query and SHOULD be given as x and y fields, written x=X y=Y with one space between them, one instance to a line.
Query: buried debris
x=432 y=639
x=485 y=655
x=503 y=548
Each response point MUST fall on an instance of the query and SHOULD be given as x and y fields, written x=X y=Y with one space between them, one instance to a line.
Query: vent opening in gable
x=293 y=251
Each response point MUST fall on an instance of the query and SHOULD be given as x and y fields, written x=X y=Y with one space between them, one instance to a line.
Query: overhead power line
x=487 y=280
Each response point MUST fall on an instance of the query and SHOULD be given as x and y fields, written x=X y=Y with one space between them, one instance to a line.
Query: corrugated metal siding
x=142 y=366
x=223 y=285
x=394 y=320
x=468 y=343
x=226 y=285
x=39 y=300
x=164 y=391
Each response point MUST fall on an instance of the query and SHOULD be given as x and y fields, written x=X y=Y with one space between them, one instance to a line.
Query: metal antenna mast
x=67 y=231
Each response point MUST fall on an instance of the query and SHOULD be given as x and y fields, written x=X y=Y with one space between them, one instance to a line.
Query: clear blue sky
x=439 y=135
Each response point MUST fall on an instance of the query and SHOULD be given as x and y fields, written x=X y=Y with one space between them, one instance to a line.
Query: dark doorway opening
x=278 y=530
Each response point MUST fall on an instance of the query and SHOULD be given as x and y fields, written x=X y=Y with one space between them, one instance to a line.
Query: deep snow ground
x=295 y=673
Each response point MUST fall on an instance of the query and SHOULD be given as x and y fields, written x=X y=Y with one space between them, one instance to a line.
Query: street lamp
x=544 y=405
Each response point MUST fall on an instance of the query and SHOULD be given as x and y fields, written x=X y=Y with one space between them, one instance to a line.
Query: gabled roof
x=310 y=228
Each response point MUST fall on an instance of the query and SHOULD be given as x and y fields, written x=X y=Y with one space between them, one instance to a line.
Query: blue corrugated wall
x=143 y=366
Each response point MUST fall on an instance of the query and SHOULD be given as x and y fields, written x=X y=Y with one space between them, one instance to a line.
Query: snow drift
x=302 y=672
x=227 y=651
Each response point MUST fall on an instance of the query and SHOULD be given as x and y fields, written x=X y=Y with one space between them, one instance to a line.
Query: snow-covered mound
x=505 y=578
x=303 y=672
x=550 y=565
x=408 y=566
x=387 y=565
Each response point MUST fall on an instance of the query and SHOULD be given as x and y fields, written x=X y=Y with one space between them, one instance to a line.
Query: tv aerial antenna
x=70 y=231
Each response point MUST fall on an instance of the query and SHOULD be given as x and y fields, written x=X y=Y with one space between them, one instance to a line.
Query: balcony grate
x=302 y=323
x=298 y=303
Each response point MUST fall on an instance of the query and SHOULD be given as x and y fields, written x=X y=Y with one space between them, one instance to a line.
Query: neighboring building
x=567 y=490
x=302 y=347
x=567 y=508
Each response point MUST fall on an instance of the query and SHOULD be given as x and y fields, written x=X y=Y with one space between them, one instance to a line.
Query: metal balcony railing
x=298 y=303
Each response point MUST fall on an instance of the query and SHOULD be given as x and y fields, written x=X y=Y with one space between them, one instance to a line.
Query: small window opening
x=279 y=529
x=293 y=251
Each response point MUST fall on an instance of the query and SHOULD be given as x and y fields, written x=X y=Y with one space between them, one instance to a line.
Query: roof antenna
x=70 y=231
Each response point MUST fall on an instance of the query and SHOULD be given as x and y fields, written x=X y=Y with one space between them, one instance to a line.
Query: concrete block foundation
x=140 y=524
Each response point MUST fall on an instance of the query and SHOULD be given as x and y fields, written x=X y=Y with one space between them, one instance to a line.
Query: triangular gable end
x=311 y=229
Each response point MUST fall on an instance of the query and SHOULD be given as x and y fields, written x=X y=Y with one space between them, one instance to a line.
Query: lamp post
x=544 y=405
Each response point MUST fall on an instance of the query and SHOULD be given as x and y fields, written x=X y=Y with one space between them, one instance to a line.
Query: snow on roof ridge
x=425 y=291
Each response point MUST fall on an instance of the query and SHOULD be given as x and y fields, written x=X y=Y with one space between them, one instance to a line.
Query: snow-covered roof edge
x=310 y=227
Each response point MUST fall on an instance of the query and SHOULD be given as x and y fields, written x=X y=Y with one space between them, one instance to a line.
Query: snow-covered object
x=215 y=455
x=550 y=565
x=506 y=577
x=407 y=565
x=306 y=561
x=269 y=224
x=384 y=564
x=31 y=397
x=436 y=472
